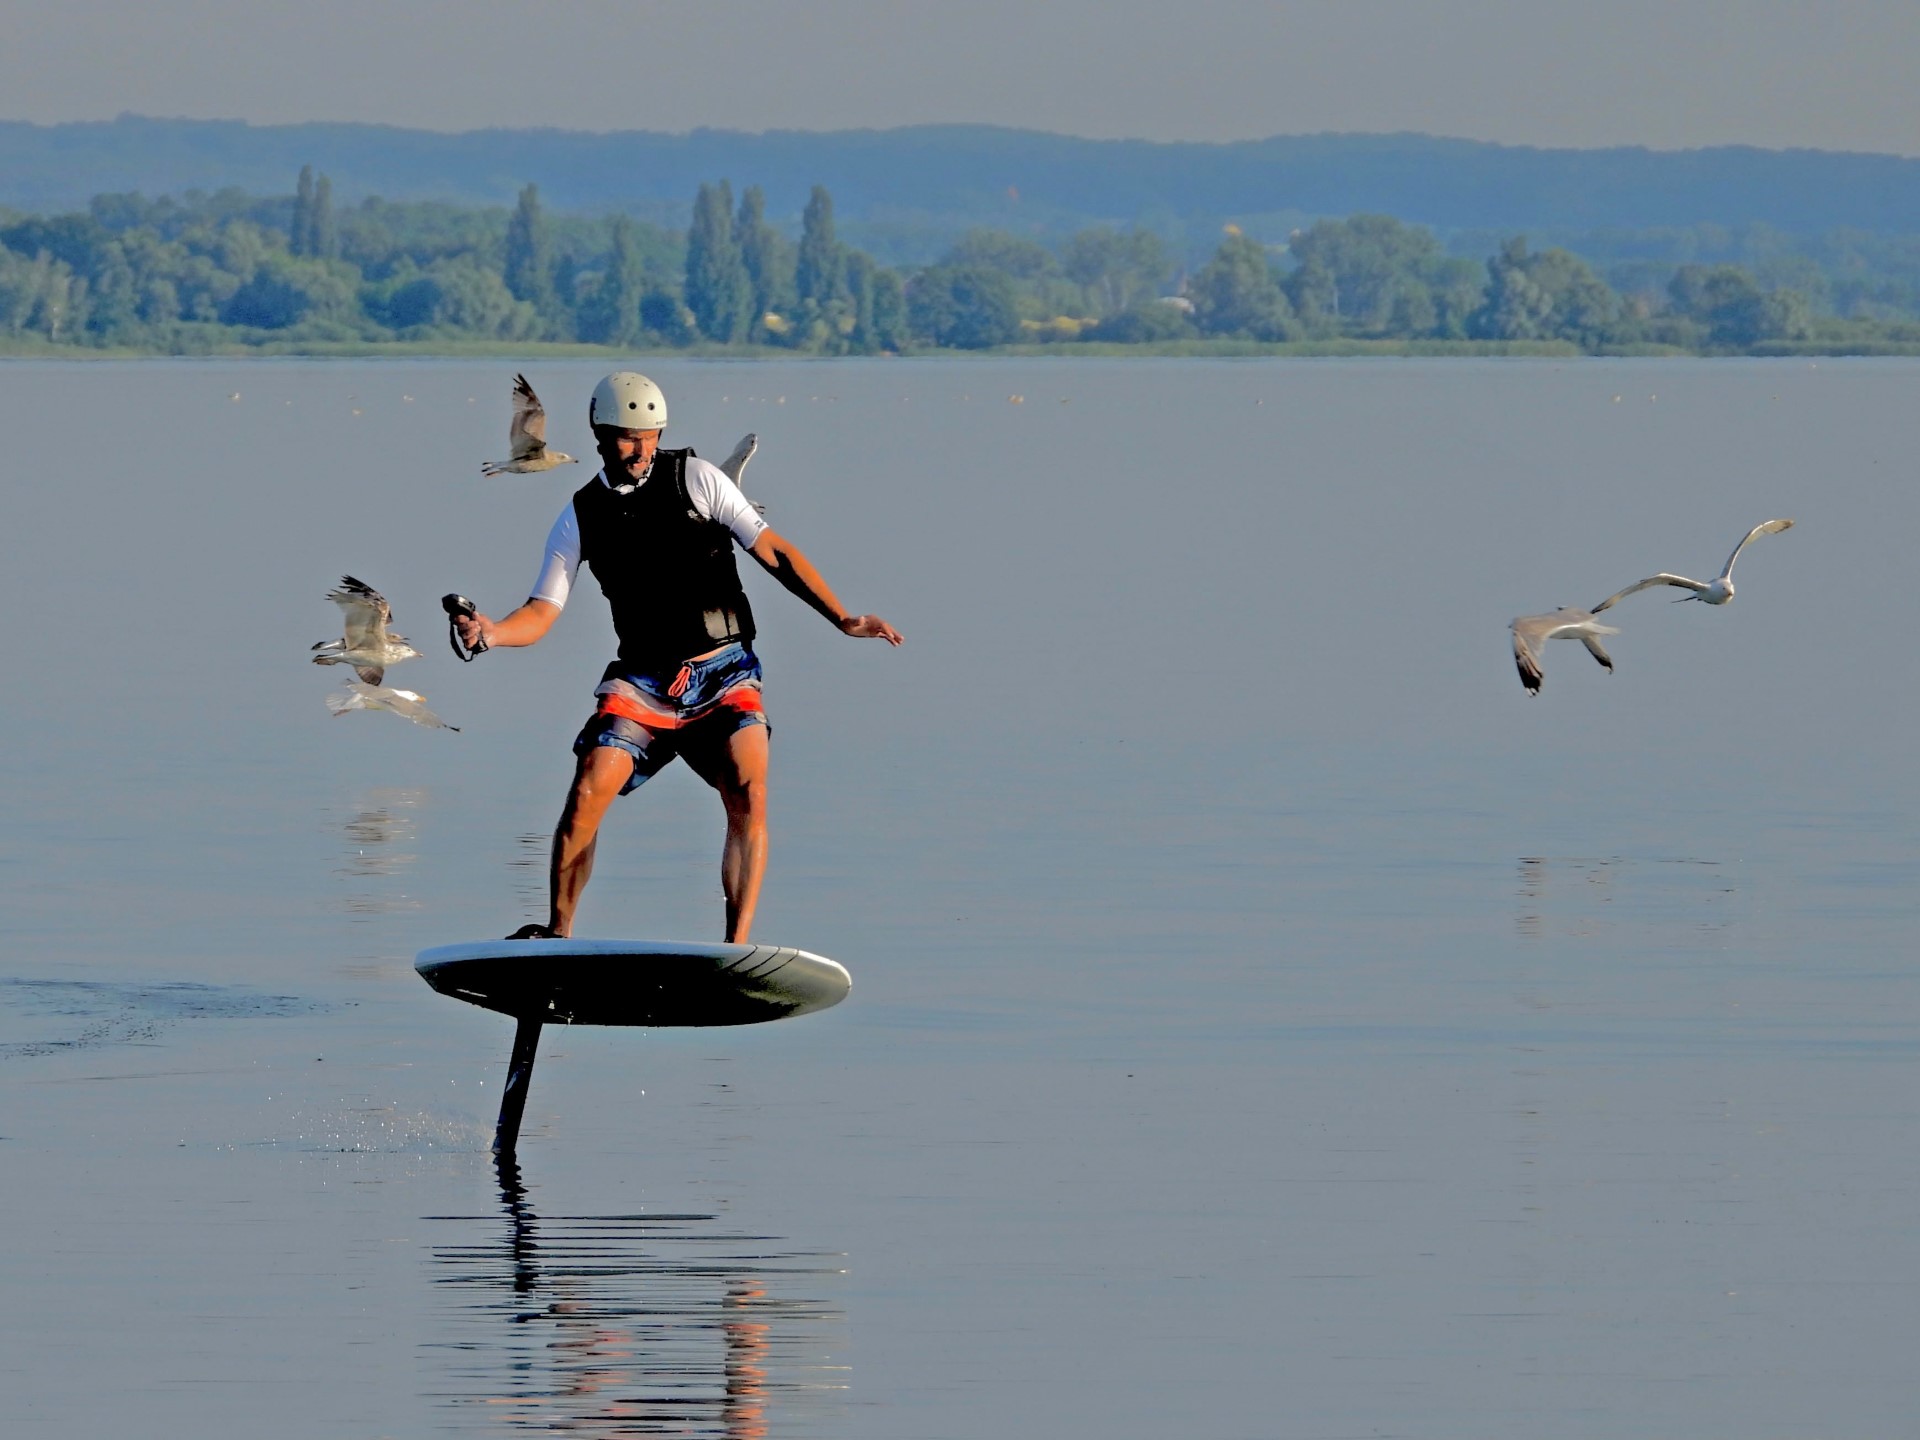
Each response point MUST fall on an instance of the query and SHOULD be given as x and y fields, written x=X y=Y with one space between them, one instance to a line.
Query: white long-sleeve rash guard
x=714 y=497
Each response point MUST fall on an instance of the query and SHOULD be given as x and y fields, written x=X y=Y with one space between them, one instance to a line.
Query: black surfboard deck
x=655 y=983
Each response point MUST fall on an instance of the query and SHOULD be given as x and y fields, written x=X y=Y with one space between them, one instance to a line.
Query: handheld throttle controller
x=456 y=606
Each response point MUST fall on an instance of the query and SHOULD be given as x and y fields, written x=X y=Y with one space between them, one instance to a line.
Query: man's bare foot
x=534 y=932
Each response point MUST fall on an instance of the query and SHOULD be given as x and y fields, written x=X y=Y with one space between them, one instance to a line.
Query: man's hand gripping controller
x=457 y=606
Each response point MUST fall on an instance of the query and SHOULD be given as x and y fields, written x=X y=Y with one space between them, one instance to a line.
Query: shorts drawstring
x=680 y=682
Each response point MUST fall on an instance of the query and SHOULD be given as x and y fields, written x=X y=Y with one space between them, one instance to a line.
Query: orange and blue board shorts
x=691 y=711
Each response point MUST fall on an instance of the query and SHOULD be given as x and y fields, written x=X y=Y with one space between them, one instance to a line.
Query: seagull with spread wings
x=1717 y=591
x=1530 y=632
x=367 y=645
x=527 y=437
x=384 y=697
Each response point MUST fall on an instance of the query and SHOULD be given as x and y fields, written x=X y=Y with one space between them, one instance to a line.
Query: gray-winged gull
x=1530 y=632
x=1717 y=591
x=384 y=697
x=367 y=645
x=527 y=437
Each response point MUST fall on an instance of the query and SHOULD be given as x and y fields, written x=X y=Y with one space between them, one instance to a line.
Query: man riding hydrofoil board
x=657 y=528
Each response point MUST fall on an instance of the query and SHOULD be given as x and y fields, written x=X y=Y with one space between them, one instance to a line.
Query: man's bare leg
x=742 y=784
x=596 y=785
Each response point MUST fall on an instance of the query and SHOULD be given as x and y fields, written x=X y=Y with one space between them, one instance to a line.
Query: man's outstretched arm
x=524 y=626
x=782 y=559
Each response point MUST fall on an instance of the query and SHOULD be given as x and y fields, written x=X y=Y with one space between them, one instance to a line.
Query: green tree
x=819 y=273
x=1735 y=312
x=312 y=234
x=326 y=234
x=1458 y=288
x=890 y=330
x=1315 y=296
x=719 y=290
x=610 y=314
x=300 y=231
x=1376 y=265
x=202 y=284
x=159 y=301
x=1789 y=314
x=78 y=240
x=1146 y=323
x=769 y=260
x=33 y=294
x=1552 y=295
x=964 y=307
x=404 y=300
x=1014 y=255
x=1116 y=269
x=528 y=271
x=285 y=292
x=151 y=285
x=665 y=319
x=1515 y=307
x=63 y=308
x=1373 y=275
x=1236 y=294
x=566 y=299
x=879 y=306
x=455 y=295
x=474 y=300
x=1584 y=305
x=114 y=315
x=860 y=272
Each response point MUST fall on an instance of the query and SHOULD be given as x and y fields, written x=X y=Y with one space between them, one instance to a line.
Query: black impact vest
x=668 y=574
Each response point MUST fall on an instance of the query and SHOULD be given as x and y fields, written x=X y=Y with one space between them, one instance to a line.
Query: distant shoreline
x=12 y=348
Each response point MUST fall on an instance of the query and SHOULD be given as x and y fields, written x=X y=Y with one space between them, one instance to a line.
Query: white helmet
x=627 y=401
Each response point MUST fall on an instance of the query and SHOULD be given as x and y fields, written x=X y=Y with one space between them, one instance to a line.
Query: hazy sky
x=1831 y=74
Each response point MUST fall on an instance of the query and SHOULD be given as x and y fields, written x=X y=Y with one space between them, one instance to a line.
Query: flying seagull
x=1530 y=632
x=384 y=697
x=367 y=645
x=1717 y=591
x=527 y=437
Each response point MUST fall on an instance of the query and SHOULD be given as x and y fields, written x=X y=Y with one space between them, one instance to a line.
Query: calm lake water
x=1267 y=1022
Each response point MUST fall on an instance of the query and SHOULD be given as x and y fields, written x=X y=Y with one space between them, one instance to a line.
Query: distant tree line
x=203 y=272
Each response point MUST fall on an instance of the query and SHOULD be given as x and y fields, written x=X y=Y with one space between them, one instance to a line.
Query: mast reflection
x=649 y=1324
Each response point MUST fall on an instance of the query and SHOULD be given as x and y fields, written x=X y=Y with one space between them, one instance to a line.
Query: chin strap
x=456 y=606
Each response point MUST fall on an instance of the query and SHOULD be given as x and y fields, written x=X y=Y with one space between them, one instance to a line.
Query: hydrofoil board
x=635 y=982
x=623 y=982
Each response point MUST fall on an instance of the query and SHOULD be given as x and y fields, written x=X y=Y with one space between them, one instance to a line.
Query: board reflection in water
x=641 y=1324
